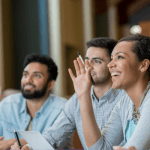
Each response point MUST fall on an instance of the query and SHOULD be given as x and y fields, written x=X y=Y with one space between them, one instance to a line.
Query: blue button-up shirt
x=14 y=116
x=70 y=118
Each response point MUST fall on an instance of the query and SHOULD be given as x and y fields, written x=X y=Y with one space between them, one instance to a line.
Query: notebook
x=36 y=140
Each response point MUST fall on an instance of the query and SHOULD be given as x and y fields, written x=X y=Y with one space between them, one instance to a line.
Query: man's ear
x=51 y=85
x=145 y=65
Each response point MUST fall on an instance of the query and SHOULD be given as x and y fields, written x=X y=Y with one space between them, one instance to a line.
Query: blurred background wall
x=60 y=29
x=24 y=30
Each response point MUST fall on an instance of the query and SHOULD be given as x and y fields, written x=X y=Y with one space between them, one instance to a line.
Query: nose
x=111 y=64
x=29 y=79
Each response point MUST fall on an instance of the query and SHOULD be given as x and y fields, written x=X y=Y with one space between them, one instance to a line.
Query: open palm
x=82 y=83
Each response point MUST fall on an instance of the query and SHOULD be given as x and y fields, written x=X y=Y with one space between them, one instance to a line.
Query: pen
x=85 y=67
x=16 y=137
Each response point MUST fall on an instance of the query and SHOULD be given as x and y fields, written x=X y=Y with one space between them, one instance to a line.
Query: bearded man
x=34 y=109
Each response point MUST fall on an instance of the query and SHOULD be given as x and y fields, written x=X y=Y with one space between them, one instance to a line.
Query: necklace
x=136 y=114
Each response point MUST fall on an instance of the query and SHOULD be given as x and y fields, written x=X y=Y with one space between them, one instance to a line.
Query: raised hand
x=82 y=82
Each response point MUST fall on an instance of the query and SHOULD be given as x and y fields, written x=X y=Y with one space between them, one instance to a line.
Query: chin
x=116 y=86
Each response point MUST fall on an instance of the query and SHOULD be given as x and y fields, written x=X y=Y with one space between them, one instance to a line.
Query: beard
x=36 y=94
x=102 y=80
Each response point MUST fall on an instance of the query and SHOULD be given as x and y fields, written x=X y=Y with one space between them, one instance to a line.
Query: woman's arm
x=82 y=84
x=90 y=128
x=112 y=133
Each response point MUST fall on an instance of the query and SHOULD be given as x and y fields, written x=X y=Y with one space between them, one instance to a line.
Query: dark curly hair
x=52 y=68
x=102 y=42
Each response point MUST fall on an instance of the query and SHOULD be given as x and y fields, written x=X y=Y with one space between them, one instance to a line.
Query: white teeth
x=28 y=86
x=115 y=74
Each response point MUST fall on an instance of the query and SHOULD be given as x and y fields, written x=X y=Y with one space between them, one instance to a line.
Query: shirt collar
x=23 y=106
x=92 y=94
x=109 y=95
x=42 y=109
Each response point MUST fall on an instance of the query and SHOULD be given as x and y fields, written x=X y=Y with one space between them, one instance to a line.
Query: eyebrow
x=34 y=72
x=119 y=53
x=25 y=71
x=38 y=72
x=94 y=58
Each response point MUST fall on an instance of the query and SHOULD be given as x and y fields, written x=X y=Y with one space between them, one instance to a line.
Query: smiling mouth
x=114 y=74
x=28 y=86
x=92 y=74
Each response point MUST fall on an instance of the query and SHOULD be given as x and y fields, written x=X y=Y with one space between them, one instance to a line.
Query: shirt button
x=8 y=128
x=109 y=101
x=100 y=109
x=34 y=122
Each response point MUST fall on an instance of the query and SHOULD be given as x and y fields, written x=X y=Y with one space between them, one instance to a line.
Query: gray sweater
x=114 y=131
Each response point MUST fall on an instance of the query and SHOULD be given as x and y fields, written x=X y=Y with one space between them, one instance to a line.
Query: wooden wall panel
x=145 y=25
x=1 y=50
x=7 y=44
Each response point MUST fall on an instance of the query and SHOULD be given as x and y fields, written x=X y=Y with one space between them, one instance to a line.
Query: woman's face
x=124 y=67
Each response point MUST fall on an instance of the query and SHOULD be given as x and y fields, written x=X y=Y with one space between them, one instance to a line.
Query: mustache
x=29 y=84
x=92 y=72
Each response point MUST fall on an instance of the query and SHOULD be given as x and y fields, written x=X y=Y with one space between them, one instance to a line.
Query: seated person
x=130 y=119
x=34 y=109
x=103 y=96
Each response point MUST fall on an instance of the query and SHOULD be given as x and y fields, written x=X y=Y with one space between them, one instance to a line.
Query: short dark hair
x=46 y=60
x=141 y=47
x=102 y=42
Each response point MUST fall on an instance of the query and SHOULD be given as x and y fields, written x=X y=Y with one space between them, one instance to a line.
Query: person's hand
x=121 y=148
x=1 y=138
x=5 y=144
x=82 y=83
x=16 y=147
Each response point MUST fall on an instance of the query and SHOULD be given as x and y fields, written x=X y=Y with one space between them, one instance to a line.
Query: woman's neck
x=136 y=91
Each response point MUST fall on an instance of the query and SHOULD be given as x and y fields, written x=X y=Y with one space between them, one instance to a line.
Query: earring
x=141 y=70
